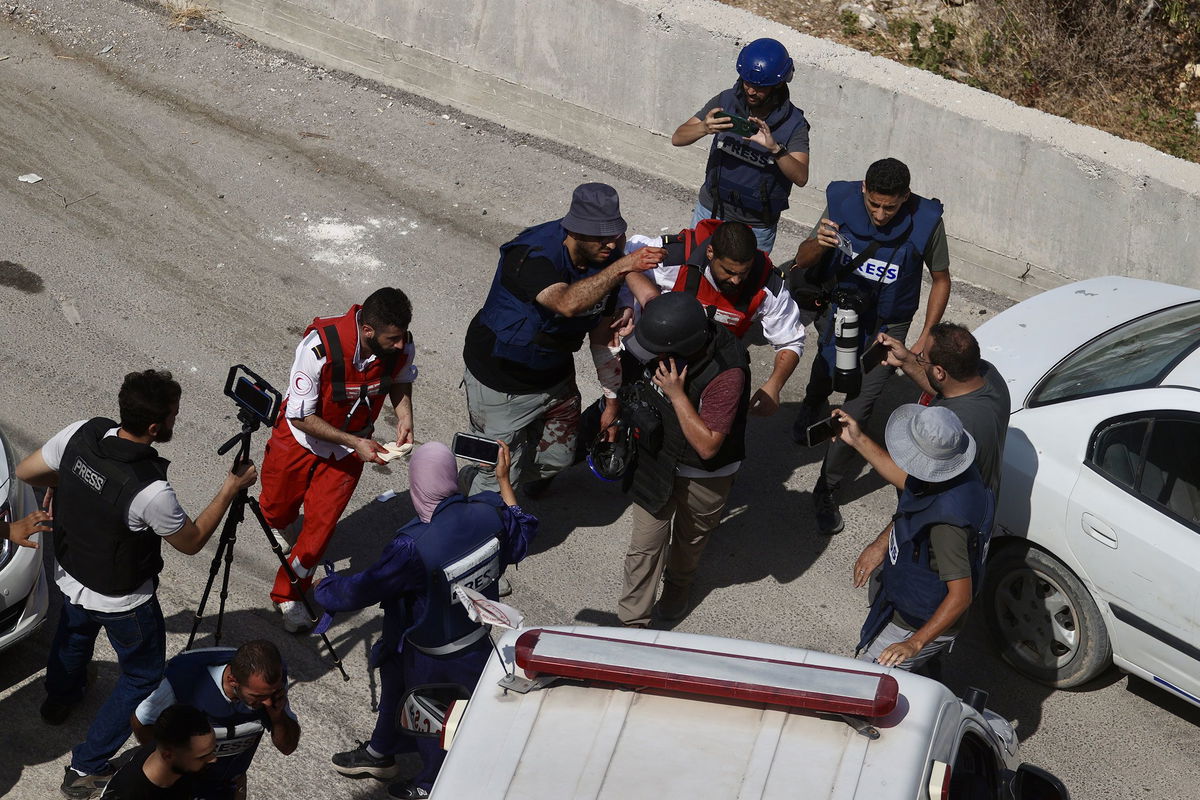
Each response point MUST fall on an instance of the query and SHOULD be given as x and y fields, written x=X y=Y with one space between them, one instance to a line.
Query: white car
x=24 y=594
x=575 y=712
x=1096 y=558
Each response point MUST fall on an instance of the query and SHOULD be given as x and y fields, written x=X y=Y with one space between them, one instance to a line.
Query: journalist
x=867 y=248
x=692 y=403
x=113 y=508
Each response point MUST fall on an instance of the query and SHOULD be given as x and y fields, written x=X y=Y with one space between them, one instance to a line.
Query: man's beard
x=374 y=346
x=164 y=435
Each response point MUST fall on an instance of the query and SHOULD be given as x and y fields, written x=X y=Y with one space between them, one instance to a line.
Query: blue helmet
x=764 y=62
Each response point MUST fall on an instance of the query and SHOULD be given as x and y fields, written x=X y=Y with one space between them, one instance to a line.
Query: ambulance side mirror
x=427 y=708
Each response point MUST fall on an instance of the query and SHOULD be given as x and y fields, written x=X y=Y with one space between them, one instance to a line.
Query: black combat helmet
x=672 y=324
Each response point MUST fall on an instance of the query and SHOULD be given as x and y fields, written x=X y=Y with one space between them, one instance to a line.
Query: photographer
x=697 y=389
x=345 y=368
x=868 y=247
x=113 y=509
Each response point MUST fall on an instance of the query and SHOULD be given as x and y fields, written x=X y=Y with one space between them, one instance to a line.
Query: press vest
x=238 y=728
x=737 y=314
x=459 y=545
x=910 y=586
x=653 y=476
x=526 y=332
x=351 y=399
x=98 y=477
x=743 y=173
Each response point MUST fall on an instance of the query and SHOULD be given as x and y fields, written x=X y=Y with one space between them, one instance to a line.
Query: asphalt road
x=202 y=199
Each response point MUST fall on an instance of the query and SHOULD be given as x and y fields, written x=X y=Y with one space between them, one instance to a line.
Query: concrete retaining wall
x=1032 y=201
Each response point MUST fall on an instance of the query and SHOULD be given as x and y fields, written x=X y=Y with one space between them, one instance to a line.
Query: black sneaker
x=358 y=763
x=407 y=791
x=806 y=415
x=54 y=711
x=829 y=515
x=673 y=604
x=81 y=787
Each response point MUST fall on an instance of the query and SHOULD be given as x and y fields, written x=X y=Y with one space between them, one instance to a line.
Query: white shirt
x=155 y=509
x=304 y=390
x=782 y=323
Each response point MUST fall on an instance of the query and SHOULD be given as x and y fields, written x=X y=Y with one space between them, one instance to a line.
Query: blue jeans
x=764 y=236
x=140 y=640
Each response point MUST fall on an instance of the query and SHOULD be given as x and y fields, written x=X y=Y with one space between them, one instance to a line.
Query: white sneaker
x=283 y=543
x=295 y=618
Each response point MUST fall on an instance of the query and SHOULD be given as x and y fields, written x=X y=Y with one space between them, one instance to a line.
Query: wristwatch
x=782 y=151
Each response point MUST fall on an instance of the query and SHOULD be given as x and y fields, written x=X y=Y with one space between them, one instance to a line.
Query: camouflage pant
x=539 y=428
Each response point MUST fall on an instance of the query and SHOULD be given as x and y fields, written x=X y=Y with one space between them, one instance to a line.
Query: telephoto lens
x=847 y=374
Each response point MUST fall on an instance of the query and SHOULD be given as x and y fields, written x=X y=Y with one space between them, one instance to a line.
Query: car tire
x=1044 y=619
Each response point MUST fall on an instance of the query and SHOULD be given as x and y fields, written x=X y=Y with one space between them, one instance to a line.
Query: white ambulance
x=579 y=712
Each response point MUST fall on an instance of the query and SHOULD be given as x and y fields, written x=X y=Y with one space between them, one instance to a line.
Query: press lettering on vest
x=89 y=476
x=876 y=270
x=478 y=570
x=239 y=739
x=745 y=152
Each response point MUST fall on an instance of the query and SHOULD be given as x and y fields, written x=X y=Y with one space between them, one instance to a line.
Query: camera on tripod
x=258 y=400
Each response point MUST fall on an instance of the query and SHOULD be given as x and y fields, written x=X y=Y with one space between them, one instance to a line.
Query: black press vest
x=97 y=480
x=654 y=470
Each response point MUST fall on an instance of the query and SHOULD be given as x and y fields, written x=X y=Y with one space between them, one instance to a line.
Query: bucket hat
x=595 y=211
x=929 y=442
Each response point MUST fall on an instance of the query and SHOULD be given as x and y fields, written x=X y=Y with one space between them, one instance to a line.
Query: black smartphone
x=874 y=357
x=476 y=448
x=822 y=431
x=741 y=125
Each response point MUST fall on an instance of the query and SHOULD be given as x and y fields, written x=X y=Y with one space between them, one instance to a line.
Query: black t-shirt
x=525 y=278
x=131 y=783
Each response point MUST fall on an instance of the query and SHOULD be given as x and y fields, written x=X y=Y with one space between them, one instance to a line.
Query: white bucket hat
x=929 y=442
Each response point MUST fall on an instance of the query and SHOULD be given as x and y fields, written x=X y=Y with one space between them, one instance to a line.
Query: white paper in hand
x=488 y=612
x=395 y=451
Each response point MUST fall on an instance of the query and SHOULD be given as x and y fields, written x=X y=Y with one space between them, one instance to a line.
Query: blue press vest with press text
x=743 y=173
x=238 y=728
x=909 y=585
x=460 y=544
x=525 y=331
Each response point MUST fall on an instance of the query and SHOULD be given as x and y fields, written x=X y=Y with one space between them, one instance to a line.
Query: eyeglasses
x=921 y=359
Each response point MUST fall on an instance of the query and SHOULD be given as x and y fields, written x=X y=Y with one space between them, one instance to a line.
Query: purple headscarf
x=432 y=477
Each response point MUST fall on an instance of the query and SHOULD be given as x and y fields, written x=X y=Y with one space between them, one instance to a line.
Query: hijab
x=432 y=477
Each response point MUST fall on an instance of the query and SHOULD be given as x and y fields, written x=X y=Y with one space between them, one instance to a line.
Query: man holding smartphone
x=891 y=233
x=749 y=176
x=344 y=369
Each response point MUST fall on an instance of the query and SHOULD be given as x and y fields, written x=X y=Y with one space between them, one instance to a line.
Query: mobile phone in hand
x=741 y=125
x=874 y=357
x=822 y=431
x=476 y=448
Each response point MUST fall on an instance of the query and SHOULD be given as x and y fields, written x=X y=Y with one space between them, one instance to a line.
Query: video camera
x=258 y=400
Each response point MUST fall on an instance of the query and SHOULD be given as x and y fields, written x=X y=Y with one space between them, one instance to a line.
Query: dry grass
x=187 y=16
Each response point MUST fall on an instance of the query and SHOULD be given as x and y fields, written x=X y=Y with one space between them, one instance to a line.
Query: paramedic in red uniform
x=719 y=264
x=345 y=368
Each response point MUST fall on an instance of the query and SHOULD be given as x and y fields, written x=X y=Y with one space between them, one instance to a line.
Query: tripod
x=237 y=511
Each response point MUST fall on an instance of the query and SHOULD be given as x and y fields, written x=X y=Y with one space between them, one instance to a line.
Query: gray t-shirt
x=984 y=413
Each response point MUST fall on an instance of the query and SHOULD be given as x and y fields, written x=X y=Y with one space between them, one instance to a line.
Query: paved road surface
x=203 y=199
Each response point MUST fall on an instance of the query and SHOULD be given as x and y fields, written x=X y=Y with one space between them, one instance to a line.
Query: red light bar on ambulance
x=679 y=669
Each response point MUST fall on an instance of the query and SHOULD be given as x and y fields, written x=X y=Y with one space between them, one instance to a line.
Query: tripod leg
x=212 y=576
x=224 y=552
x=225 y=585
x=294 y=580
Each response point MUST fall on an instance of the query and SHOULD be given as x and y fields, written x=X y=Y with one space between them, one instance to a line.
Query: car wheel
x=1044 y=619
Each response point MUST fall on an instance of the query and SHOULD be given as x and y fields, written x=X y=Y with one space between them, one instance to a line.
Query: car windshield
x=1137 y=354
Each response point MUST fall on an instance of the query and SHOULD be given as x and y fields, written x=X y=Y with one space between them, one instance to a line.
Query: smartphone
x=822 y=431
x=476 y=448
x=741 y=125
x=845 y=246
x=874 y=357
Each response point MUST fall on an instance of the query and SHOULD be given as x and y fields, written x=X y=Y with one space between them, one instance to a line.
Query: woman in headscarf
x=427 y=635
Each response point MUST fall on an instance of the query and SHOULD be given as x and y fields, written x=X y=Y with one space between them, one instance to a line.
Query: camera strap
x=860 y=259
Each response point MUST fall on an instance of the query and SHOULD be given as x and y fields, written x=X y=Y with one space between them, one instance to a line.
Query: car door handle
x=1099 y=530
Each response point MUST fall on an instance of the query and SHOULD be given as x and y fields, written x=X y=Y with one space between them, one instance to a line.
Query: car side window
x=1118 y=451
x=1154 y=458
x=1171 y=476
x=974 y=774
